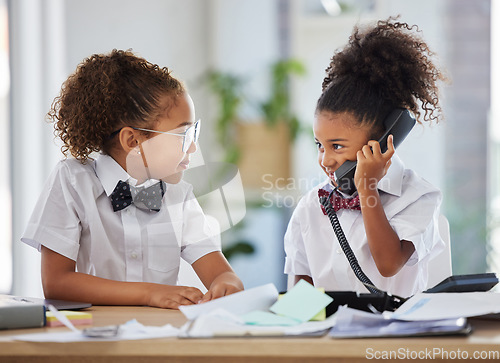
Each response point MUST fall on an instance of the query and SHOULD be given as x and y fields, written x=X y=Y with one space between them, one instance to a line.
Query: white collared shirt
x=412 y=208
x=74 y=218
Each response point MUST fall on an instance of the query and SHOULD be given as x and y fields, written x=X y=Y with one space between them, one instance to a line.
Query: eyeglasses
x=190 y=135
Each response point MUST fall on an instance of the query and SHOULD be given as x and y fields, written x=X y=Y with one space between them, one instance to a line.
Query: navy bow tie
x=149 y=198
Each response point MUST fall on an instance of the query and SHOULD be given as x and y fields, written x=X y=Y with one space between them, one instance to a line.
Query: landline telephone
x=382 y=301
x=399 y=123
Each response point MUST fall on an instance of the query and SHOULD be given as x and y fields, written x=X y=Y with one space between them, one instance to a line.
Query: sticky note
x=76 y=317
x=259 y=317
x=322 y=313
x=319 y=316
x=302 y=302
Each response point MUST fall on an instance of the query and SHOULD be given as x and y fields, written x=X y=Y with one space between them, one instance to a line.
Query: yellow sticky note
x=76 y=317
x=322 y=314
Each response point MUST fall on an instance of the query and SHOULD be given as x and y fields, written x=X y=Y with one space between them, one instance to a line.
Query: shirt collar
x=391 y=183
x=110 y=173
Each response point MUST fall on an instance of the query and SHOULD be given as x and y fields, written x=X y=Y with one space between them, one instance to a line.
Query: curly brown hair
x=106 y=93
x=382 y=68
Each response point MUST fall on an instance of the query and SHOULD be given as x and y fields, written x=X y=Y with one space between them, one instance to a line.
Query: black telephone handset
x=399 y=124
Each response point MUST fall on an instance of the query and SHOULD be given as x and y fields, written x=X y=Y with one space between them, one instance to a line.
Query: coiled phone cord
x=344 y=244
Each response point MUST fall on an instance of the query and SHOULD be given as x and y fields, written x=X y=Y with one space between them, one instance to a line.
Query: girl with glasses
x=112 y=227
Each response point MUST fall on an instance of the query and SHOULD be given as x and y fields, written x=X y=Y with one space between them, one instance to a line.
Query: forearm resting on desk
x=61 y=281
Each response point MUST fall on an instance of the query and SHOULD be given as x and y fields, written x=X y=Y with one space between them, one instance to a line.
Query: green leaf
x=238 y=248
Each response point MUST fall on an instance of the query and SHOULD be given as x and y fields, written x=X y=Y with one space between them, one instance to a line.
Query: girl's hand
x=171 y=297
x=219 y=290
x=372 y=165
x=222 y=286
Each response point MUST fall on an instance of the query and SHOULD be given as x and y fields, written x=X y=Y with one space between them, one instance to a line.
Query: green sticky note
x=319 y=316
x=265 y=318
x=302 y=302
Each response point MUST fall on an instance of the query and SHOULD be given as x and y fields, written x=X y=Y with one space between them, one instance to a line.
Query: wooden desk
x=485 y=340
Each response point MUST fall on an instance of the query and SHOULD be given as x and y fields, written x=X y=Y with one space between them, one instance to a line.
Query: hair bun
x=392 y=60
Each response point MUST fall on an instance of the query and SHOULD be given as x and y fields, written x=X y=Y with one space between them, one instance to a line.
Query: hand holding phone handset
x=399 y=123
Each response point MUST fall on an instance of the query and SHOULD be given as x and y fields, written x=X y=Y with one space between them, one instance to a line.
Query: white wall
x=245 y=42
x=166 y=32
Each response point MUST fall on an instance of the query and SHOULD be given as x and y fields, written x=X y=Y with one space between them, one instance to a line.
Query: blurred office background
x=233 y=53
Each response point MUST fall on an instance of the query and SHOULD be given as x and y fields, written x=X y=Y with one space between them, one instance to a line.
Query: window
x=5 y=196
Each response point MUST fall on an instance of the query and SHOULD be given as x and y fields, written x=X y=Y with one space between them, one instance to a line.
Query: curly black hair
x=381 y=68
x=106 y=93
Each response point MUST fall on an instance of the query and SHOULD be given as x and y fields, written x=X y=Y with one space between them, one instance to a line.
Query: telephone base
x=466 y=283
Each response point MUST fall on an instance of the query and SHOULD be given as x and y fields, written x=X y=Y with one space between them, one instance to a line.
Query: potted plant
x=259 y=147
x=242 y=140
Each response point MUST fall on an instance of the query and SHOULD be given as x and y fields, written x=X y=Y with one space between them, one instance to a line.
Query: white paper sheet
x=257 y=298
x=448 y=305
x=131 y=330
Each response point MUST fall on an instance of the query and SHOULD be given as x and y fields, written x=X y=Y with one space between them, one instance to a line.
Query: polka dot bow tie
x=145 y=198
x=338 y=202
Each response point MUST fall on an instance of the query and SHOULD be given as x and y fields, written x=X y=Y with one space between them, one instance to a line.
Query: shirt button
x=133 y=255
x=339 y=251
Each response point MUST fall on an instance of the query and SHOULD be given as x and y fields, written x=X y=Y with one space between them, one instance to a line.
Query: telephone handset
x=399 y=124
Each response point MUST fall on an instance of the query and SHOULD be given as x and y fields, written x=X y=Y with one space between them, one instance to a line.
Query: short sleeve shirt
x=74 y=217
x=412 y=208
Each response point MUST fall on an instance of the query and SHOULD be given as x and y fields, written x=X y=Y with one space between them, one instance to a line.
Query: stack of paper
x=352 y=323
x=258 y=312
x=422 y=314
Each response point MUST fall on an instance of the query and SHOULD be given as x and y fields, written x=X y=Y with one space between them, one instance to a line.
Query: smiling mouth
x=184 y=164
